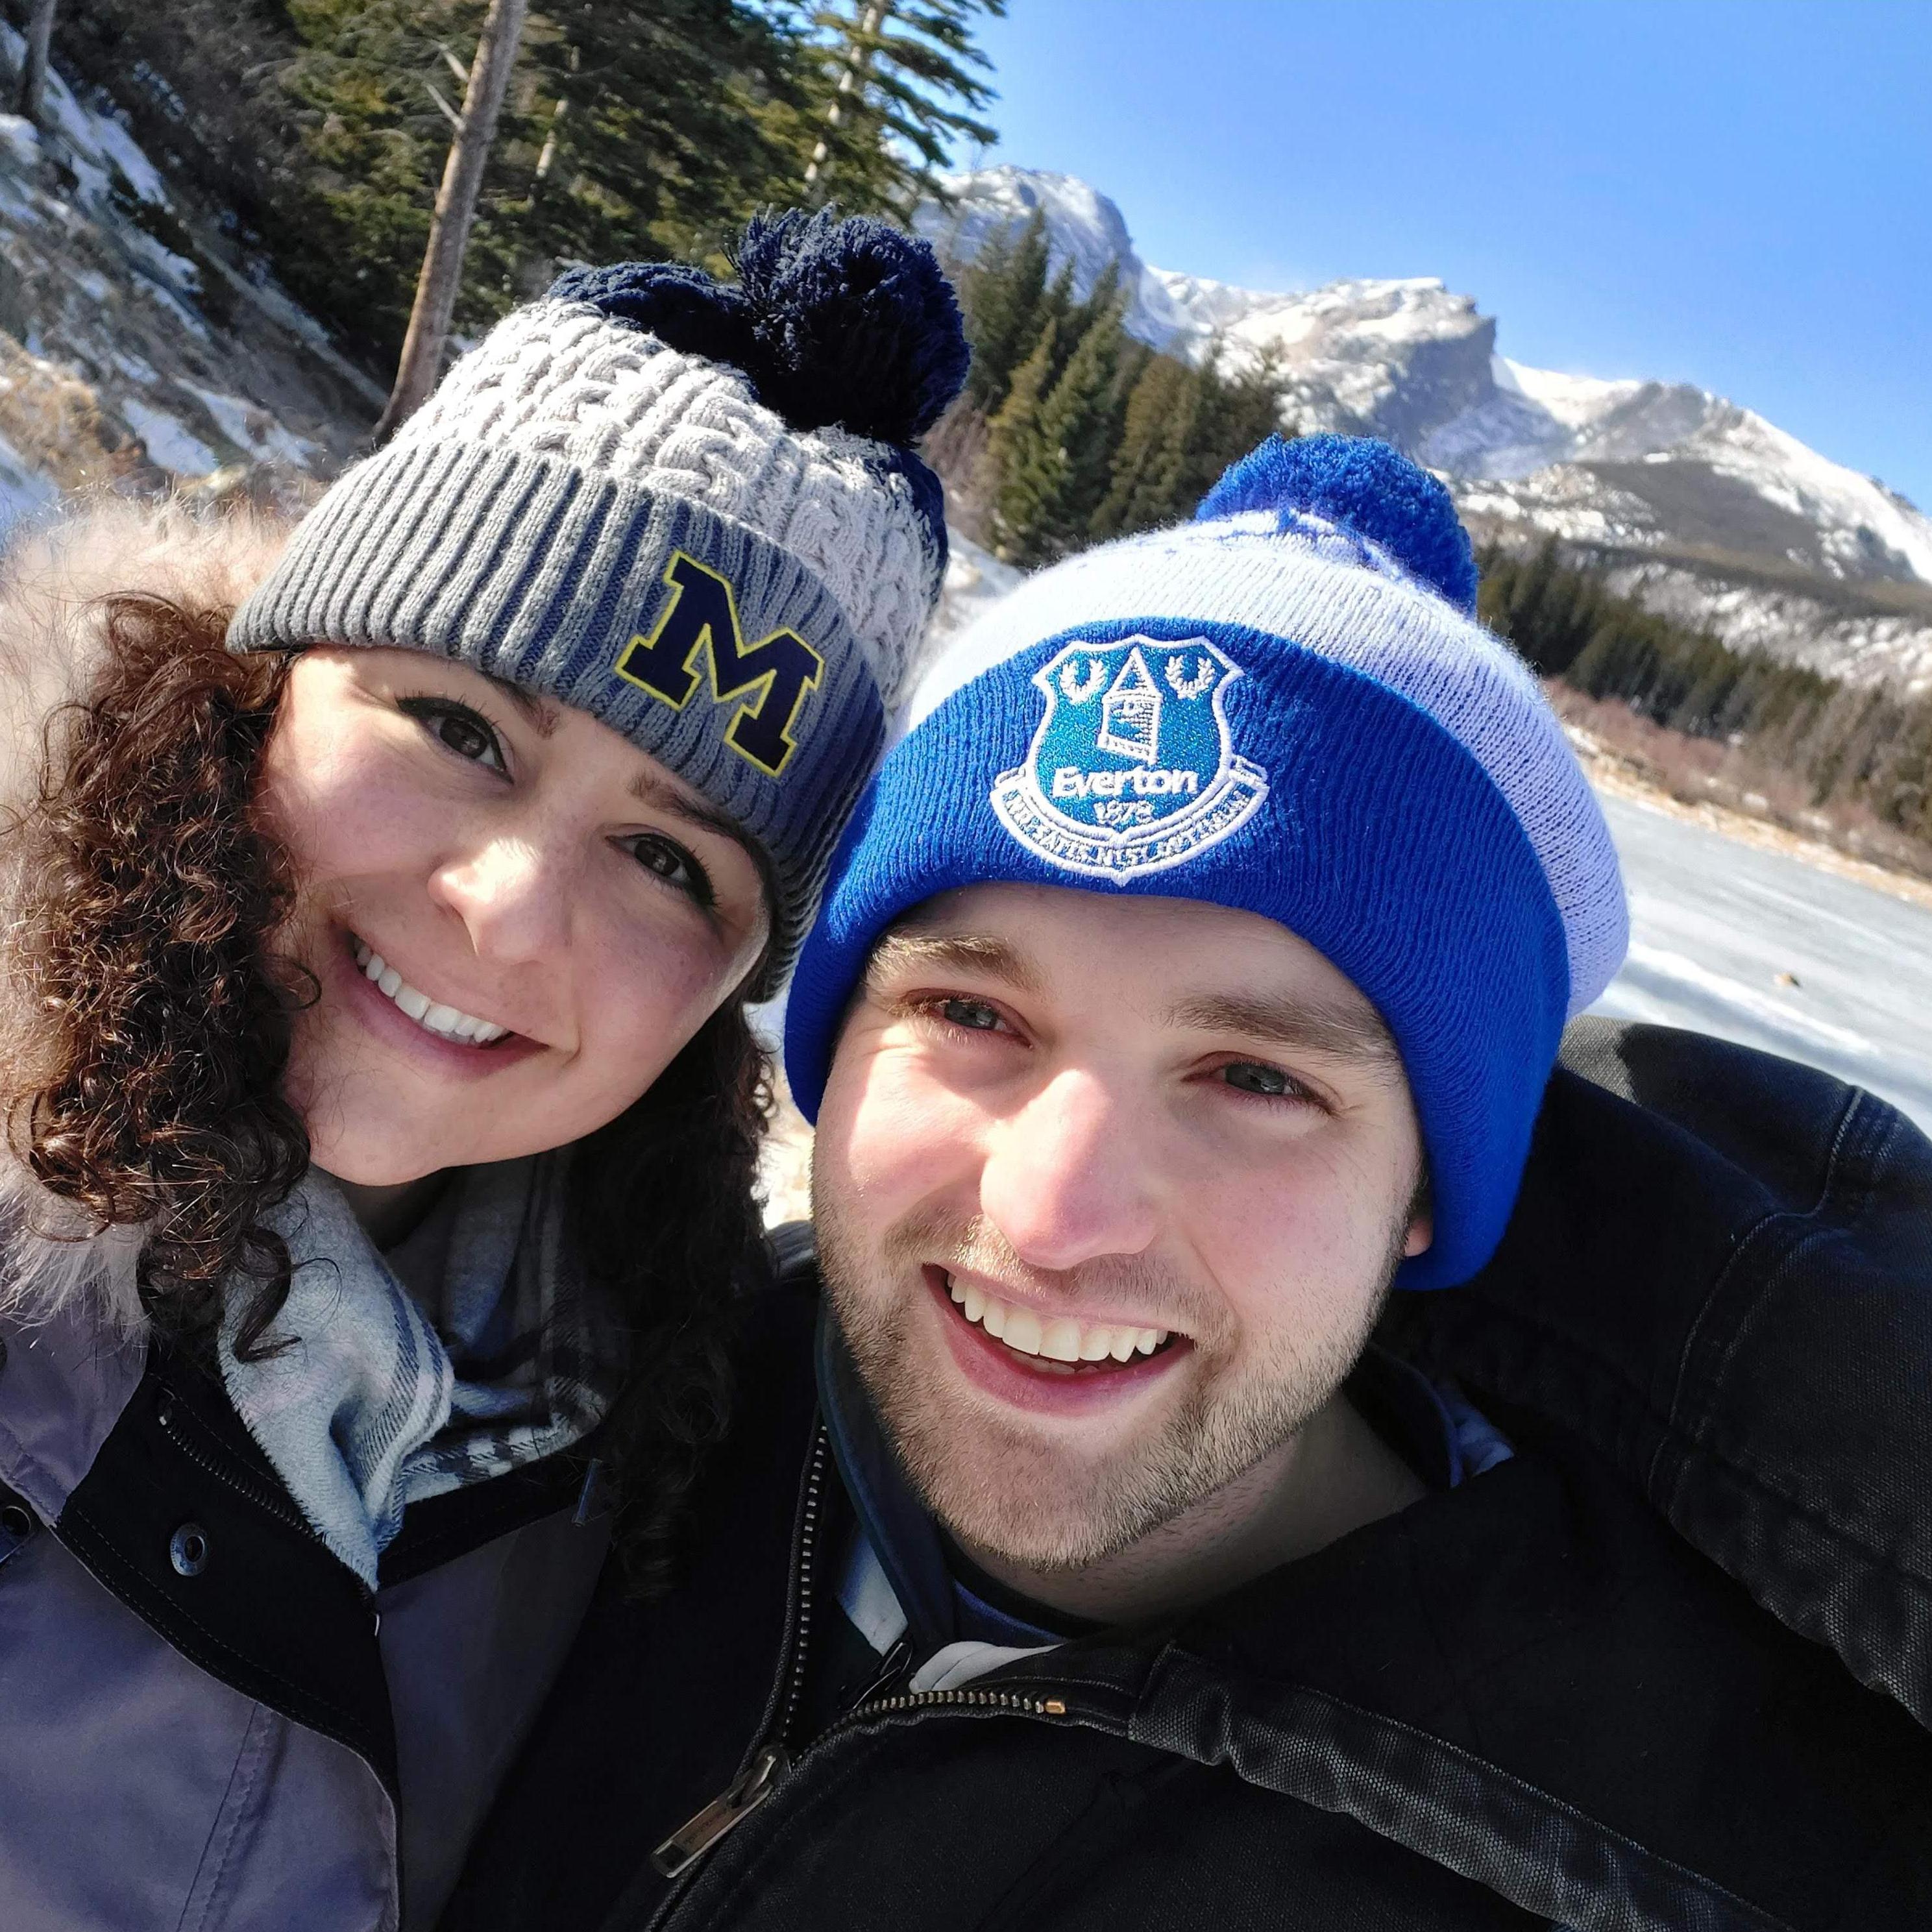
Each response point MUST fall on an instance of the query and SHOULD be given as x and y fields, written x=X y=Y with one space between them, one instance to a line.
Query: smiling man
x=1111 y=1545
x=1111 y=1191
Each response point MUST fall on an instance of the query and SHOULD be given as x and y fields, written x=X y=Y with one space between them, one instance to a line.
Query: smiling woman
x=381 y=902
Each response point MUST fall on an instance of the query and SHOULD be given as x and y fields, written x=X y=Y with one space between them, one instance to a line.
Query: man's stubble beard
x=1006 y=1489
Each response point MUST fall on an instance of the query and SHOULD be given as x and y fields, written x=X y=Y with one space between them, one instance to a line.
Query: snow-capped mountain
x=1700 y=505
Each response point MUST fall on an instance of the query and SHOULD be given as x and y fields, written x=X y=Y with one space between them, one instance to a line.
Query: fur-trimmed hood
x=53 y=577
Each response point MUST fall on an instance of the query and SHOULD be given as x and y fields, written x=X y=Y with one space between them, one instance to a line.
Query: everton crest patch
x=1131 y=770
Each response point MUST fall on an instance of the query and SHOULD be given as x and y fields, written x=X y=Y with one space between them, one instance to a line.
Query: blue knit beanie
x=1287 y=707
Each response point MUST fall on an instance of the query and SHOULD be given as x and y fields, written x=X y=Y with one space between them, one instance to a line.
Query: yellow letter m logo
x=776 y=672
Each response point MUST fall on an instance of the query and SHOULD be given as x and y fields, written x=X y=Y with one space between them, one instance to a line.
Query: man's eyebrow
x=908 y=950
x=539 y=713
x=1337 y=1032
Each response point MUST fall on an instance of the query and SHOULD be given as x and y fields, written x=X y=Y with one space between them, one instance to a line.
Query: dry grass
x=55 y=422
x=1739 y=792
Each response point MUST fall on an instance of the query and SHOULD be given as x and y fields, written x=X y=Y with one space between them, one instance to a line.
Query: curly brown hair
x=161 y=1020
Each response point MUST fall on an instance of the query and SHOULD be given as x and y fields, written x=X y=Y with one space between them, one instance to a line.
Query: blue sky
x=1733 y=193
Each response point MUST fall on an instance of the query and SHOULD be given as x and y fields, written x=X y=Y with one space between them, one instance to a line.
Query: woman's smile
x=382 y=1013
x=433 y=1015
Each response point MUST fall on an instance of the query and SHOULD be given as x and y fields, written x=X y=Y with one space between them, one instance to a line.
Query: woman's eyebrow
x=648 y=788
x=539 y=713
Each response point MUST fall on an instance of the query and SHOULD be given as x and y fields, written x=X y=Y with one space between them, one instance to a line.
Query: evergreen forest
x=1071 y=431
x=1863 y=747
x=633 y=129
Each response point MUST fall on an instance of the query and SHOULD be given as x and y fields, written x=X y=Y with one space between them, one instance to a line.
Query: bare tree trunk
x=441 y=274
x=34 y=64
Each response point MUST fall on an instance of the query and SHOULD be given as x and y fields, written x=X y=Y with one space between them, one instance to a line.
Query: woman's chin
x=360 y=1167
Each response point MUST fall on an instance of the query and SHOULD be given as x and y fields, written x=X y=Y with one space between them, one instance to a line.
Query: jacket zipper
x=928 y=1700
x=771 y=1764
x=223 y=1471
x=760 y=1774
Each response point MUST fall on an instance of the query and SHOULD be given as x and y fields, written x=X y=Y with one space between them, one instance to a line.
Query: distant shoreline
x=1616 y=777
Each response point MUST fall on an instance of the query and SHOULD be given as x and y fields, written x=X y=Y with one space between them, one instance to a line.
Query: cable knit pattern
x=558 y=379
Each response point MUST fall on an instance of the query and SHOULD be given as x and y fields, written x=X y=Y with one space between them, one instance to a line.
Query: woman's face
x=517 y=918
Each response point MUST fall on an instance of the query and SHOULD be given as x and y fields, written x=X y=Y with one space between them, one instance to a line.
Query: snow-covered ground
x=130 y=315
x=1765 y=949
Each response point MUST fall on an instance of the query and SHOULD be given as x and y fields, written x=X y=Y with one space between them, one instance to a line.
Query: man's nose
x=1066 y=1179
x=513 y=894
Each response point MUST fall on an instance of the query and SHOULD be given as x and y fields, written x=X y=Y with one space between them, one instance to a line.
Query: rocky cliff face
x=1704 y=507
x=136 y=344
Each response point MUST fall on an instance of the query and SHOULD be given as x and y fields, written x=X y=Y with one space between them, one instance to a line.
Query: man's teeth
x=432 y=1017
x=1061 y=1339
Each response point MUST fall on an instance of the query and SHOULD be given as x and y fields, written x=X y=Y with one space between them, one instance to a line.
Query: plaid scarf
x=473 y=1347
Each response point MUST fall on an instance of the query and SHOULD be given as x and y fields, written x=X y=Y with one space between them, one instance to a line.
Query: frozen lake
x=1713 y=925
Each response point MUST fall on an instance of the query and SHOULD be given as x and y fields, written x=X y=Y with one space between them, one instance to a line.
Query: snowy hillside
x=135 y=340
x=1712 y=508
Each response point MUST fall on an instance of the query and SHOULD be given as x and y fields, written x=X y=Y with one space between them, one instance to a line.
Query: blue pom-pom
x=848 y=322
x=1367 y=487
x=855 y=322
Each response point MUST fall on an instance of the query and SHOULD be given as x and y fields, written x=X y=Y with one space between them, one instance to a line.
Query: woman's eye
x=975 y=1015
x=674 y=865
x=459 y=730
x=1251 y=1076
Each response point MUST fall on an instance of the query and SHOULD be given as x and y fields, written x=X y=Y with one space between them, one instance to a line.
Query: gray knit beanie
x=689 y=508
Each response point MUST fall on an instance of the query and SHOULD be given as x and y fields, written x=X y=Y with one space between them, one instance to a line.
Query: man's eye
x=458 y=729
x=1251 y=1077
x=975 y=1015
x=674 y=865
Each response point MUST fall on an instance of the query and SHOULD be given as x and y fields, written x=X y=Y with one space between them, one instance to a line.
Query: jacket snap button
x=187 y=1549
x=17 y=1524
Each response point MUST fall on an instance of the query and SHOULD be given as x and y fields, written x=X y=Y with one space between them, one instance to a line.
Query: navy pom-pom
x=856 y=324
x=1365 y=486
x=847 y=322
x=674 y=302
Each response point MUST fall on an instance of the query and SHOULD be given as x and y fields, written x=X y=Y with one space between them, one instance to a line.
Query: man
x=1192 y=976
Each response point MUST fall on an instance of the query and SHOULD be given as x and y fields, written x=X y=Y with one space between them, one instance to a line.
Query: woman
x=382 y=906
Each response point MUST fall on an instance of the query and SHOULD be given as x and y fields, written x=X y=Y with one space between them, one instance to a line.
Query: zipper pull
x=696 y=1836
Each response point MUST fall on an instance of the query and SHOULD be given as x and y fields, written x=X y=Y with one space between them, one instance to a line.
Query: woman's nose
x=1065 y=1177
x=513 y=895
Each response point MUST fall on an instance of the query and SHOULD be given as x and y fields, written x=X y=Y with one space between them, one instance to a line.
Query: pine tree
x=899 y=84
x=1015 y=454
x=1234 y=412
x=1003 y=293
x=646 y=132
x=628 y=131
x=1059 y=455
x=1148 y=467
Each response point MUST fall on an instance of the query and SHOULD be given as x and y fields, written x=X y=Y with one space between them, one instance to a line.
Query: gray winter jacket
x=206 y=1722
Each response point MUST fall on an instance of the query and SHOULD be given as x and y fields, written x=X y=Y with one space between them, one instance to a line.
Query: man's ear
x=1421 y=1216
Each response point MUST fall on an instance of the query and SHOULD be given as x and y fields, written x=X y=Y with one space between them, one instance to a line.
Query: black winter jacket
x=1614 y=1683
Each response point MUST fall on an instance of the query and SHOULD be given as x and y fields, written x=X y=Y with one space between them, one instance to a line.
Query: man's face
x=1108 y=1193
